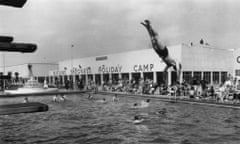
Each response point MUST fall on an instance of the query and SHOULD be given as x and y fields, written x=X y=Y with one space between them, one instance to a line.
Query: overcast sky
x=98 y=27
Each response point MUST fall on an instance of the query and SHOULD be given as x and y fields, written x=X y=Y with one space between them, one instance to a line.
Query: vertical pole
x=3 y=70
x=130 y=76
x=211 y=74
x=169 y=77
x=154 y=77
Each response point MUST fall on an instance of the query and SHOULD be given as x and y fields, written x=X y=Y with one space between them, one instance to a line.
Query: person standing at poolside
x=67 y=84
x=162 y=50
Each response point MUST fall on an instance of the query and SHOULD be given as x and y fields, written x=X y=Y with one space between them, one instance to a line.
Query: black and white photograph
x=119 y=72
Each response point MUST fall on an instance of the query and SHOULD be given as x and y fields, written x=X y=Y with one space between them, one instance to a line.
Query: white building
x=199 y=61
x=236 y=63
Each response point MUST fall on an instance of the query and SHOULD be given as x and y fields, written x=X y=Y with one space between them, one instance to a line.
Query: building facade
x=236 y=63
x=40 y=70
x=198 y=61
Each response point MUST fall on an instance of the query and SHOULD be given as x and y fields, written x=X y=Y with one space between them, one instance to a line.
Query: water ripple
x=82 y=121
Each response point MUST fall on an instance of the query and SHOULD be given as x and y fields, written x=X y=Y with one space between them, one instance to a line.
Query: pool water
x=83 y=121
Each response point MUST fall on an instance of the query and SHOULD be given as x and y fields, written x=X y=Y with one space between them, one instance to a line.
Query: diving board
x=23 y=108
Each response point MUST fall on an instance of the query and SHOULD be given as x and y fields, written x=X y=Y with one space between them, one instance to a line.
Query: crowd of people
x=227 y=92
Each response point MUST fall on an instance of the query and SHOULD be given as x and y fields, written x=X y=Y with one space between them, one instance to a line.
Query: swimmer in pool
x=115 y=98
x=145 y=103
x=25 y=100
x=101 y=101
x=137 y=119
x=135 y=105
x=62 y=98
x=90 y=96
x=162 y=112
x=55 y=98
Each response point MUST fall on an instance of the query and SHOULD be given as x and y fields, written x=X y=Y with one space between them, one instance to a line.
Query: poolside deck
x=159 y=97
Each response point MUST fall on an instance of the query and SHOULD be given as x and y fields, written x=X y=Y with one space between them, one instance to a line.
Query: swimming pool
x=79 y=120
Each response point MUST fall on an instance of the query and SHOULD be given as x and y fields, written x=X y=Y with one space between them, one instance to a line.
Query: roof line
x=29 y=63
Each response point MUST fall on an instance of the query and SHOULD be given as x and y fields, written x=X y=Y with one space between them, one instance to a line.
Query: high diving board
x=13 y=3
x=7 y=39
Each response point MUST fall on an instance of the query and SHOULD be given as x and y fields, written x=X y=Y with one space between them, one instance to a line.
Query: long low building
x=40 y=70
x=198 y=61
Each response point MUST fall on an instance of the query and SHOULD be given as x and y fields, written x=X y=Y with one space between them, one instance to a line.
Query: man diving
x=162 y=50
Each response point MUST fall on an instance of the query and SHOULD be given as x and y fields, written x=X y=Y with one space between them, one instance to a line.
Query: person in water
x=101 y=100
x=162 y=50
x=25 y=100
x=145 y=103
x=55 y=98
x=162 y=112
x=137 y=119
x=90 y=96
x=62 y=98
x=115 y=98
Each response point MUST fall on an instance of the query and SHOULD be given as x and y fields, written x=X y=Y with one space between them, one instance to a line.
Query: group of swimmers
x=103 y=100
x=143 y=104
x=60 y=98
x=55 y=99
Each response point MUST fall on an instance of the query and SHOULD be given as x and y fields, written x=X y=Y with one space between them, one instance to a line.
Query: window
x=41 y=79
x=223 y=77
x=115 y=78
x=197 y=75
x=61 y=79
x=148 y=75
x=98 y=79
x=77 y=77
x=90 y=77
x=237 y=72
x=207 y=76
x=125 y=76
x=187 y=76
x=105 y=78
x=47 y=79
x=174 y=77
x=83 y=79
x=136 y=76
x=65 y=77
x=160 y=78
x=216 y=77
